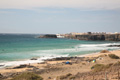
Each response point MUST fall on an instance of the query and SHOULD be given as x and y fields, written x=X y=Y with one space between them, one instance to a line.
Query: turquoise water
x=14 y=47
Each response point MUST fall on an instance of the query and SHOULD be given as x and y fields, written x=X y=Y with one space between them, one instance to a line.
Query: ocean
x=16 y=49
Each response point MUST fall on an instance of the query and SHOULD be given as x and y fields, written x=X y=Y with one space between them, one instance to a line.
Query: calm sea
x=18 y=49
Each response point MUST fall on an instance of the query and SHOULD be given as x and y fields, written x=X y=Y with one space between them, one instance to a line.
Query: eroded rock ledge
x=99 y=37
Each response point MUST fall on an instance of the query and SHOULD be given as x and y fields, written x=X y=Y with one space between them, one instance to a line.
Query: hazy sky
x=59 y=16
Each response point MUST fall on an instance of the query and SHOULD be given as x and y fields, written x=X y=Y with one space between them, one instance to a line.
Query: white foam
x=98 y=45
x=48 y=54
x=78 y=48
x=39 y=60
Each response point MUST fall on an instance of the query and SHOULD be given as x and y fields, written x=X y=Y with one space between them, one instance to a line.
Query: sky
x=59 y=16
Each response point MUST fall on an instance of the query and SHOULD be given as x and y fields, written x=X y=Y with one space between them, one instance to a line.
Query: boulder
x=1 y=75
x=113 y=46
x=33 y=59
x=21 y=66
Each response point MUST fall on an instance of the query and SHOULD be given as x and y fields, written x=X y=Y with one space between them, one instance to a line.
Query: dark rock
x=1 y=75
x=60 y=58
x=21 y=66
x=33 y=59
x=1 y=65
x=112 y=37
x=90 y=37
x=49 y=36
x=66 y=58
x=107 y=37
x=113 y=46
x=29 y=66
x=49 y=77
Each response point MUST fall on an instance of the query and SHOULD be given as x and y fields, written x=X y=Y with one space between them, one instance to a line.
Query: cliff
x=90 y=37
x=105 y=37
x=113 y=37
x=100 y=37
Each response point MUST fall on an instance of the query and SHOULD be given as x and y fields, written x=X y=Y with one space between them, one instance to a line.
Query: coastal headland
x=86 y=36
x=98 y=66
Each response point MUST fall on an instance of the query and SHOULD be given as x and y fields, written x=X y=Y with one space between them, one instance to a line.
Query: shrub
x=103 y=55
x=72 y=78
x=27 y=76
x=100 y=67
x=64 y=76
x=117 y=63
x=83 y=64
x=108 y=65
x=104 y=51
x=113 y=56
x=69 y=74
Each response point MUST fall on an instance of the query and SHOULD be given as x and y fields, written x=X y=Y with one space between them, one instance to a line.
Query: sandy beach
x=52 y=69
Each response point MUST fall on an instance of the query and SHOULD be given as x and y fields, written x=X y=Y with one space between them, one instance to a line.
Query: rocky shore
x=99 y=37
x=48 y=36
x=92 y=67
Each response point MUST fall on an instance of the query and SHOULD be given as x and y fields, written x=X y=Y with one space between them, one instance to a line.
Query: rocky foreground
x=102 y=66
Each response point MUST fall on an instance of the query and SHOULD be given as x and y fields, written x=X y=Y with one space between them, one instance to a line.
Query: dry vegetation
x=101 y=67
x=81 y=68
x=68 y=76
x=27 y=76
x=104 y=51
x=113 y=56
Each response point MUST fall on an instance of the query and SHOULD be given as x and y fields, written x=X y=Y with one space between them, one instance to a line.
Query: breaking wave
x=48 y=54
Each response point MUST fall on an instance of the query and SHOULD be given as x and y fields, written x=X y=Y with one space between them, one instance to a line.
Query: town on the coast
x=104 y=36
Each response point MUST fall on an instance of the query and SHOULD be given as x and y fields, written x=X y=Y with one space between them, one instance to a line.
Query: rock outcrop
x=112 y=37
x=99 y=37
x=90 y=37
x=48 y=36
x=106 y=37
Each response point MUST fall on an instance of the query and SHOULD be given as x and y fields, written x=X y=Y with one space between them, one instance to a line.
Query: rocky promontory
x=48 y=36
x=106 y=37
x=86 y=36
x=94 y=37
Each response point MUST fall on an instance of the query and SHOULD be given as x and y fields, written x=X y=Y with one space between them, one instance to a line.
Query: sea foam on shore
x=28 y=61
x=19 y=49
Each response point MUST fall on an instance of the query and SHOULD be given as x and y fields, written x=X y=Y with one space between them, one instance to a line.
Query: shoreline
x=43 y=59
x=33 y=60
x=95 y=54
x=51 y=67
x=77 y=49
